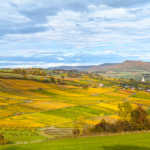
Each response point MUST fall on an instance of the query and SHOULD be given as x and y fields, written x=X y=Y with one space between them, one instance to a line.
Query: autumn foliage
x=138 y=121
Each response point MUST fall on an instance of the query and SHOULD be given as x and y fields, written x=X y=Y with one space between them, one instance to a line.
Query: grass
x=22 y=136
x=132 y=141
x=31 y=104
x=43 y=92
x=71 y=112
x=142 y=95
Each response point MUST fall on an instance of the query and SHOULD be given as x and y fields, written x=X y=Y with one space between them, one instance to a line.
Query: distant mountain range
x=128 y=65
x=104 y=66
x=70 y=67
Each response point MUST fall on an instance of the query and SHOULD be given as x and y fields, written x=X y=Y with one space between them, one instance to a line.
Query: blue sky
x=45 y=33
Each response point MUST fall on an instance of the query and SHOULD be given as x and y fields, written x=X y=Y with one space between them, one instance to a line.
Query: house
x=132 y=88
x=148 y=90
x=101 y=85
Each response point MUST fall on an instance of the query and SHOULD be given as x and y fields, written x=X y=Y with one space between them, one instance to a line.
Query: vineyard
x=27 y=107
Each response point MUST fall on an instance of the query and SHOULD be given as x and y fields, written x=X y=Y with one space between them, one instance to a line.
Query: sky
x=48 y=33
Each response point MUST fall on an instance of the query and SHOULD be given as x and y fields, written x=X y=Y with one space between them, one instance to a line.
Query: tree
x=125 y=110
x=62 y=77
x=42 y=79
x=139 y=115
x=101 y=127
x=2 y=139
x=80 y=125
x=37 y=72
x=52 y=79
x=43 y=73
x=58 y=80
x=85 y=86
x=23 y=71
x=25 y=77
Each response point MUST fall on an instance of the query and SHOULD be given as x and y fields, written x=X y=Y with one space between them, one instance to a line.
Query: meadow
x=132 y=141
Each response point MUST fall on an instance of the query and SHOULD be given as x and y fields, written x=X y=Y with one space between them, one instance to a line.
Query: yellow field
x=119 y=94
x=25 y=103
x=6 y=95
x=8 y=102
x=33 y=120
x=110 y=105
x=47 y=105
x=21 y=84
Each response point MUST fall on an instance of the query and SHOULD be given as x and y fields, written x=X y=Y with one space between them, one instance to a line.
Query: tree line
x=131 y=119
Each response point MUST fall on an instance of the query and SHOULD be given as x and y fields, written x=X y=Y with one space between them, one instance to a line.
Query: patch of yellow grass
x=118 y=94
x=47 y=105
x=8 y=102
x=5 y=95
x=142 y=102
x=33 y=94
x=5 y=113
x=99 y=90
x=33 y=120
x=109 y=105
x=21 y=84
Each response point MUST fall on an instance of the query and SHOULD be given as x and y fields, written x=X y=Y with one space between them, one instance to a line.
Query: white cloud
x=73 y=28
x=59 y=58
x=78 y=59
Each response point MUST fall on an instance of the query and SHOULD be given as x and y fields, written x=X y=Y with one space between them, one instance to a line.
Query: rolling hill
x=70 y=67
x=104 y=66
x=128 y=65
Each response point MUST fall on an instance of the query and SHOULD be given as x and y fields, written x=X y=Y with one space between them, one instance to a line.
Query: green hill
x=133 y=141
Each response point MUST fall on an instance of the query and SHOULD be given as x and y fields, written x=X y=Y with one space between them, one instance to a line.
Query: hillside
x=132 y=141
x=34 y=110
x=127 y=65
x=70 y=67
x=130 y=65
x=104 y=66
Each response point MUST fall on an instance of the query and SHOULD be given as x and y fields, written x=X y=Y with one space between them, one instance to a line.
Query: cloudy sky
x=44 y=33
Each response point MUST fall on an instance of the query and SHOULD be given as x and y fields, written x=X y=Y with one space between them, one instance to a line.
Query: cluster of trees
x=30 y=71
x=52 y=80
x=80 y=126
x=131 y=120
x=20 y=71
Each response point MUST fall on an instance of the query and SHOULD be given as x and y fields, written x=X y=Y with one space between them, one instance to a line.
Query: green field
x=132 y=141
x=23 y=136
x=126 y=75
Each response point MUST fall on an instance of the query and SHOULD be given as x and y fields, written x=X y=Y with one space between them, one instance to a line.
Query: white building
x=143 y=80
x=101 y=85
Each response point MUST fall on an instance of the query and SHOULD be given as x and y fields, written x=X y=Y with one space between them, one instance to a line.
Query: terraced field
x=31 y=104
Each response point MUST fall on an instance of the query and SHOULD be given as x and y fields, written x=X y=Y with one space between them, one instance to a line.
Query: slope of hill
x=132 y=141
x=70 y=67
x=104 y=66
x=130 y=65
